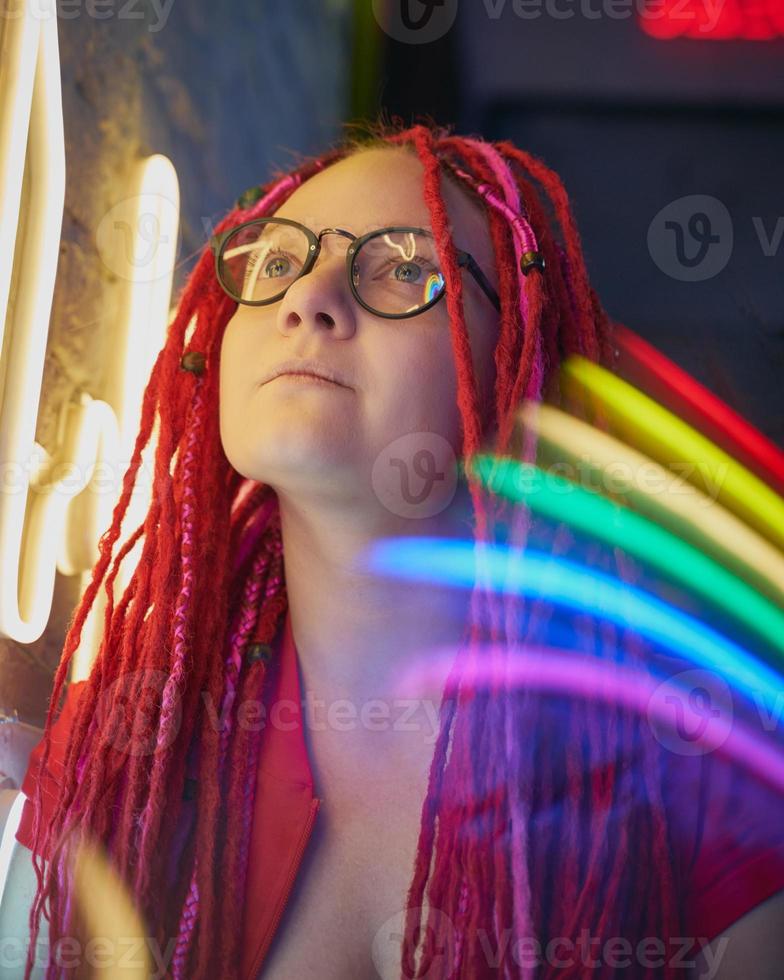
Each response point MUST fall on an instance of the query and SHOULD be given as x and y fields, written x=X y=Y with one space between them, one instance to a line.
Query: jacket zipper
x=314 y=806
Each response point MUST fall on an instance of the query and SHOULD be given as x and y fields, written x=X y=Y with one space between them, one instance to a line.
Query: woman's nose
x=321 y=298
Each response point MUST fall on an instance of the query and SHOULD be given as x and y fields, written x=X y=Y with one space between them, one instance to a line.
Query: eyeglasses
x=392 y=272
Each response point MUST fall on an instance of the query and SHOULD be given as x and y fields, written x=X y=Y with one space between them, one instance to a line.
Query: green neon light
x=559 y=499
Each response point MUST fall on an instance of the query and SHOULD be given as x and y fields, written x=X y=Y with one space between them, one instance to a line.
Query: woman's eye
x=407 y=271
x=274 y=266
x=413 y=270
x=277 y=266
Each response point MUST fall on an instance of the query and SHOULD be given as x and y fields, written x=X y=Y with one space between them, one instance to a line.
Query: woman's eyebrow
x=373 y=226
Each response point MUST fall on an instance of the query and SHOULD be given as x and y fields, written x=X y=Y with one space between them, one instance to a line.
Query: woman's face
x=400 y=374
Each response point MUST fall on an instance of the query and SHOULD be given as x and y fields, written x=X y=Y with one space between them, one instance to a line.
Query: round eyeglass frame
x=464 y=260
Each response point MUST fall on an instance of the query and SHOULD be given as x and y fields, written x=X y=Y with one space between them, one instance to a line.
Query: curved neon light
x=654 y=491
x=538 y=575
x=667 y=438
x=54 y=506
x=556 y=498
x=558 y=671
x=31 y=124
x=648 y=369
x=433 y=286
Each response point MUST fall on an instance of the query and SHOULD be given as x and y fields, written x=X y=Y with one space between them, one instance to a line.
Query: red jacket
x=284 y=812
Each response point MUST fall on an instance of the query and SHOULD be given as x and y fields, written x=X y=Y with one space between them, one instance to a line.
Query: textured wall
x=226 y=93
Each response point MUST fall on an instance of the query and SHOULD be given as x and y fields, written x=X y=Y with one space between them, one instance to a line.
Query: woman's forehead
x=376 y=188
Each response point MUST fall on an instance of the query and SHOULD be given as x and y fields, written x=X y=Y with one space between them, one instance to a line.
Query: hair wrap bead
x=512 y=195
x=532 y=257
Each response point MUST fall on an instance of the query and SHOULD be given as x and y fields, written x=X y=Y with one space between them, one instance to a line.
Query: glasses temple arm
x=469 y=262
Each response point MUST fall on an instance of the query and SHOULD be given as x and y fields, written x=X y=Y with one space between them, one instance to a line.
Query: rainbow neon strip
x=648 y=369
x=556 y=498
x=537 y=575
x=433 y=286
x=641 y=483
x=649 y=426
x=557 y=671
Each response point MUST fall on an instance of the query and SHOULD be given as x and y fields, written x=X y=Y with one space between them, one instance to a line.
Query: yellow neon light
x=53 y=508
x=638 y=481
x=644 y=423
x=145 y=260
x=29 y=91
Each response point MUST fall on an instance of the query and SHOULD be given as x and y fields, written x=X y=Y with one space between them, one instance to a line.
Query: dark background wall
x=632 y=125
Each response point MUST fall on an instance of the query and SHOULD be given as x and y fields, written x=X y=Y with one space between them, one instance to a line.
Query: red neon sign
x=713 y=20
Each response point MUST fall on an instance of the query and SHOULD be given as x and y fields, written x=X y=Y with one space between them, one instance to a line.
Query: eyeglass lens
x=394 y=272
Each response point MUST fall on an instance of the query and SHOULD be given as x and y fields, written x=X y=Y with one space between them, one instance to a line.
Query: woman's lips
x=305 y=378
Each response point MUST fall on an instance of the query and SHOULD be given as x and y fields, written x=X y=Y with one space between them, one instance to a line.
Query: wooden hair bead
x=194 y=361
x=531 y=260
x=258 y=651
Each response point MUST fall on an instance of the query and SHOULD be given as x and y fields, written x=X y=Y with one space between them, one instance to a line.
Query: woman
x=269 y=487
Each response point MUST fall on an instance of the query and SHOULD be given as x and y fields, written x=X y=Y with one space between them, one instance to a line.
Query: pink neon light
x=556 y=670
